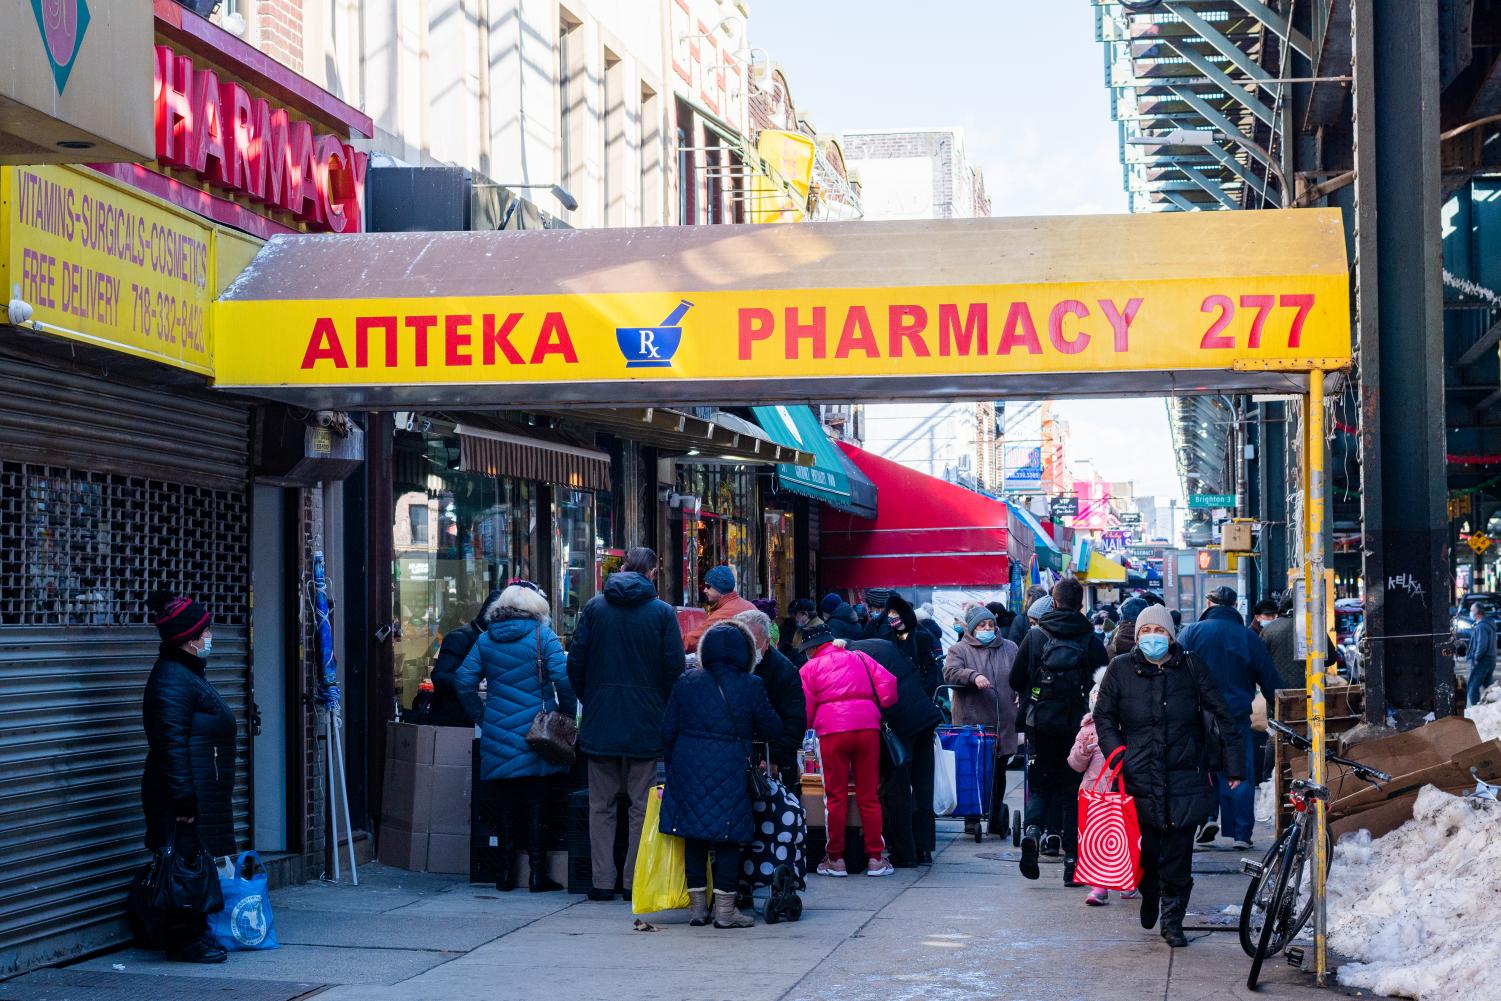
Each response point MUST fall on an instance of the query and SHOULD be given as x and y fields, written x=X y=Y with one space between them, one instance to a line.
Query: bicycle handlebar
x=1364 y=771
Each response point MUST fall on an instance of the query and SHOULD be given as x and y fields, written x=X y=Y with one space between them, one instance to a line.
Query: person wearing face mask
x=980 y=664
x=1153 y=702
x=802 y=614
x=898 y=623
x=189 y=778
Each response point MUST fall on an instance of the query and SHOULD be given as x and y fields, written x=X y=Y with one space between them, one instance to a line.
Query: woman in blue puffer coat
x=713 y=714
x=517 y=650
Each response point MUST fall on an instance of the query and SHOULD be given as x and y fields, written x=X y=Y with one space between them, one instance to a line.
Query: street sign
x=1206 y=501
x=1480 y=542
x=1131 y=519
x=1064 y=507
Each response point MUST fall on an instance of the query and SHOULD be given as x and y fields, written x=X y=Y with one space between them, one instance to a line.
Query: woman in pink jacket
x=845 y=691
x=1086 y=757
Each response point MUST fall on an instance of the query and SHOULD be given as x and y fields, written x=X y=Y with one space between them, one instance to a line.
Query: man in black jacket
x=784 y=687
x=908 y=825
x=445 y=709
x=623 y=659
x=1053 y=673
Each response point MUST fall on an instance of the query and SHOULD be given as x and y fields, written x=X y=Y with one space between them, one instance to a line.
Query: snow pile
x=1487 y=715
x=1420 y=909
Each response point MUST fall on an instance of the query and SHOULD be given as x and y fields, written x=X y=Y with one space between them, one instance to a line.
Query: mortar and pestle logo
x=653 y=347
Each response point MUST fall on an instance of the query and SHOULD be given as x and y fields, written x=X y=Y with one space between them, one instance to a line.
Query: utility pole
x=1399 y=309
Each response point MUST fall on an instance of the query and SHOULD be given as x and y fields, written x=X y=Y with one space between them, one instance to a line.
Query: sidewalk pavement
x=969 y=927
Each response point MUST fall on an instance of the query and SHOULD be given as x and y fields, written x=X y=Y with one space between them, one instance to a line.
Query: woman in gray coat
x=980 y=665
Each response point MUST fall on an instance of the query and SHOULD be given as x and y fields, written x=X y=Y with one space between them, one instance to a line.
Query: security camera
x=19 y=311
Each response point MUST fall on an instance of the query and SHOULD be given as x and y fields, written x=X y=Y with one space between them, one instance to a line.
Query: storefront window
x=456 y=536
x=573 y=556
x=723 y=531
x=781 y=567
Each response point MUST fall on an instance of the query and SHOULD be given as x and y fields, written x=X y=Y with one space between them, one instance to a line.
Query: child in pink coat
x=1086 y=757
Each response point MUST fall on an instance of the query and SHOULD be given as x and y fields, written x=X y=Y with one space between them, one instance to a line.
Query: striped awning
x=496 y=453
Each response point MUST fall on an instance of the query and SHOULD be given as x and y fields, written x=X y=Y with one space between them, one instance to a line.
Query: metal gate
x=107 y=490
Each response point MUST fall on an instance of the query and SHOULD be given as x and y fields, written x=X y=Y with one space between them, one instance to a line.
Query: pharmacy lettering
x=246 y=146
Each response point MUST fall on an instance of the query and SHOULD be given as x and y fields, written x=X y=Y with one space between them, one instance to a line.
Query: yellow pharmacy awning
x=1103 y=570
x=1169 y=303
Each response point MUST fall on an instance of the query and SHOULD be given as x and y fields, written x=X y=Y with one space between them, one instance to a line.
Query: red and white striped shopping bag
x=1109 y=834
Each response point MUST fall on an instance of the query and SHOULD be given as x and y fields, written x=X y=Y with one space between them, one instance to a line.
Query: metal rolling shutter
x=106 y=491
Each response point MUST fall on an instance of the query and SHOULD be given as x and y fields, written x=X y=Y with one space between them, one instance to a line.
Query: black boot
x=1070 y=863
x=201 y=950
x=1149 y=905
x=536 y=849
x=1030 y=844
x=1172 y=921
x=505 y=874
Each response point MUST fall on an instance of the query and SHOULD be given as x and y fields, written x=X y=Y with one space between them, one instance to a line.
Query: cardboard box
x=402 y=848
x=448 y=787
x=452 y=745
x=448 y=853
x=1379 y=820
x=410 y=742
x=815 y=812
x=407 y=795
x=1412 y=751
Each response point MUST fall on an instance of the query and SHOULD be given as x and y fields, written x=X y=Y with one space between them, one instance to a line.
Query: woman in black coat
x=713 y=714
x=190 y=765
x=1153 y=702
x=910 y=828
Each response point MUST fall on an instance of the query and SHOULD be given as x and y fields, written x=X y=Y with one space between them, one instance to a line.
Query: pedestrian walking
x=715 y=712
x=189 y=777
x=845 y=691
x=980 y=664
x=802 y=615
x=1281 y=637
x=784 y=687
x=723 y=600
x=1052 y=674
x=445 y=708
x=1239 y=663
x=839 y=615
x=1482 y=651
x=1263 y=615
x=624 y=657
x=1152 y=702
x=907 y=821
x=876 y=599
x=1023 y=622
x=522 y=663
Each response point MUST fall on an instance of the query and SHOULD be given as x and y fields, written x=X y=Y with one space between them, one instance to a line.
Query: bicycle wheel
x=1255 y=906
x=1273 y=936
x=1300 y=888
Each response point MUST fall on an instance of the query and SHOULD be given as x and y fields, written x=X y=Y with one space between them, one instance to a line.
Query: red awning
x=926 y=533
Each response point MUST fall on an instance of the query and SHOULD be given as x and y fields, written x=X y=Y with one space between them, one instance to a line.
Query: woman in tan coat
x=980 y=664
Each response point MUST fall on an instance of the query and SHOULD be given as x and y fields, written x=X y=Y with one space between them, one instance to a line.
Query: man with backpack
x=1053 y=674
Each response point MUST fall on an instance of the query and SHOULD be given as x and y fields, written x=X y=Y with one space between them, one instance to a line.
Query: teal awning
x=796 y=426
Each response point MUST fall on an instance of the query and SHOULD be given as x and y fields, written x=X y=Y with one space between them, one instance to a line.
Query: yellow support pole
x=1316 y=637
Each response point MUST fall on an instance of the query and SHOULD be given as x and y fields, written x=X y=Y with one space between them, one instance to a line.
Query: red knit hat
x=178 y=618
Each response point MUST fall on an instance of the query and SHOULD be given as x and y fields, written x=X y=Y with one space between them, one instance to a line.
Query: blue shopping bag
x=245 y=922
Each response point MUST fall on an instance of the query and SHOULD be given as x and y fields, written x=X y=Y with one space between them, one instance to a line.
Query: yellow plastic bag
x=659 y=882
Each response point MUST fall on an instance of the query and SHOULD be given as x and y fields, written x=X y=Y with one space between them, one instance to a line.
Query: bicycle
x=1278 y=896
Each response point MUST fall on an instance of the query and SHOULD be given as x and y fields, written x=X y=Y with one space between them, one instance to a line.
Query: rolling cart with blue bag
x=974 y=766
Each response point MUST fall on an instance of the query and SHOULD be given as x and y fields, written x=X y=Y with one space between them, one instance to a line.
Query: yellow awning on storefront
x=1103 y=570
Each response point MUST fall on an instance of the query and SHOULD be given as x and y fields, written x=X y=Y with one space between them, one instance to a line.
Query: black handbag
x=553 y=736
x=181 y=879
x=894 y=753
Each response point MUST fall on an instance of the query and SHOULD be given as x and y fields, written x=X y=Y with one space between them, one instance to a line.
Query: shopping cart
x=974 y=764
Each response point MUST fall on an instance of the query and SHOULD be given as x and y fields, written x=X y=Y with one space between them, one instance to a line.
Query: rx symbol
x=649 y=344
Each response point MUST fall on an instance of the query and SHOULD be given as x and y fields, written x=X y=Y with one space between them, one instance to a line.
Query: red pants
x=857 y=751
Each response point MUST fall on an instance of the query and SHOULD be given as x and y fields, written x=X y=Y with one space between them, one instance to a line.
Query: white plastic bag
x=945 y=784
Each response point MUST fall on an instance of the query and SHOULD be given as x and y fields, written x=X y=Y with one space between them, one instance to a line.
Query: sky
x=1025 y=80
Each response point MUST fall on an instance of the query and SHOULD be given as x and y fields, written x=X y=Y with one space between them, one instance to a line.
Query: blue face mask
x=1154 y=646
x=986 y=636
x=208 y=647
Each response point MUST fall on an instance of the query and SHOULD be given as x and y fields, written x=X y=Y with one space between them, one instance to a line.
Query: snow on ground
x=1487 y=715
x=1420 y=909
